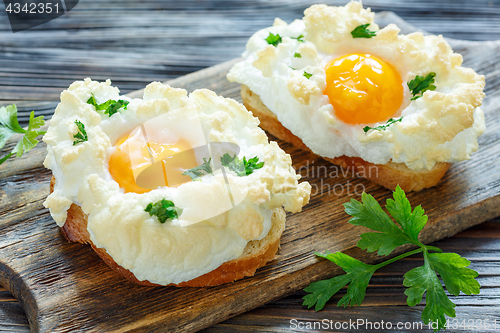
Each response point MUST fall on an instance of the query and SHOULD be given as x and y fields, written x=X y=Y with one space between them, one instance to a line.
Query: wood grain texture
x=384 y=299
x=48 y=65
x=469 y=194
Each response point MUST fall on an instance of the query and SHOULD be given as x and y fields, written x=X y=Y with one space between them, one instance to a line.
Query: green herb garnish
x=299 y=39
x=421 y=84
x=199 y=171
x=293 y=68
x=9 y=125
x=163 y=210
x=361 y=31
x=81 y=136
x=109 y=107
x=241 y=167
x=383 y=127
x=451 y=267
x=307 y=75
x=273 y=39
x=297 y=55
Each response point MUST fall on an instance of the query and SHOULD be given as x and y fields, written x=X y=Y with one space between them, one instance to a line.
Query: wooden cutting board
x=65 y=287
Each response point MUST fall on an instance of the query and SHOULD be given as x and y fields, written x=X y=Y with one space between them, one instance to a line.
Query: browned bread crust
x=255 y=255
x=388 y=175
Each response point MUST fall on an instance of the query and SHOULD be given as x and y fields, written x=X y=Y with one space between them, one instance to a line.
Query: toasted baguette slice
x=255 y=255
x=388 y=175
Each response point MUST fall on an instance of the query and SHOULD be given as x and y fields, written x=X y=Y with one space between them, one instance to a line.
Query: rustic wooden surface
x=144 y=45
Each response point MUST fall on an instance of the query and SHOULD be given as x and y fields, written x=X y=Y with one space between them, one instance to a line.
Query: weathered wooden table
x=134 y=43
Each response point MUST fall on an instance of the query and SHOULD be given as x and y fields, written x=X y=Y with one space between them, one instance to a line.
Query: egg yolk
x=140 y=167
x=363 y=88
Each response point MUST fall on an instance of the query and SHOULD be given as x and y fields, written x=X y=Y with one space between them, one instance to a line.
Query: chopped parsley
x=163 y=210
x=109 y=107
x=307 y=75
x=362 y=31
x=299 y=39
x=201 y=170
x=297 y=55
x=421 y=84
x=451 y=267
x=273 y=39
x=81 y=135
x=9 y=125
x=383 y=127
x=241 y=167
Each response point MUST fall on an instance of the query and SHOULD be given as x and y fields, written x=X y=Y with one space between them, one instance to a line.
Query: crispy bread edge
x=387 y=175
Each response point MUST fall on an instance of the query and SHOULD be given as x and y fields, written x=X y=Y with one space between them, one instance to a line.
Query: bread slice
x=255 y=255
x=388 y=175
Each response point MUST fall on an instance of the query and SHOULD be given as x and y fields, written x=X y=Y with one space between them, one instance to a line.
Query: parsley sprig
x=81 y=135
x=451 y=267
x=109 y=107
x=383 y=127
x=201 y=170
x=241 y=167
x=273 y=39
x=163 y=210
x=9 y=125
x=421 y=84
x=361 y=31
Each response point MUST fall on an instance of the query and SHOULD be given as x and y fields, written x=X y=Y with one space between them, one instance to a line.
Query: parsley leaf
x=358 y=275
x=293 y=68
x=307 y=75
x=299 y=39
x=451 y=267
x=163 y=210
x=241 y=167
x=369 y=214
x=383 y=127
x=420 y=280
x=8 y=119
x=321 y=291
x=411 y=222
x=199 y=171
x=361 y=31
x=9 y=125
x=81 y=135
x=273 y=39
x=109 y=107
x=421 y=84
x=297 y=55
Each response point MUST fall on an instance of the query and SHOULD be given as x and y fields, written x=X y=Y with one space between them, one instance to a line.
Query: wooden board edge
x=221 y=68
x=14 y=283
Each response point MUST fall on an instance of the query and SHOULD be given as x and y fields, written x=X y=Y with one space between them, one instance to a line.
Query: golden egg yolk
x=140 y=167
x=363 y=89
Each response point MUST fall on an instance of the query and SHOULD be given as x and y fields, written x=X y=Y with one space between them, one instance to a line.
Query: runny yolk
x=363 y=89
x=140 y=167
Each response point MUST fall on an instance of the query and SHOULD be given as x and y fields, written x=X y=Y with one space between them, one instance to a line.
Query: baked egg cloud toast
x=359 y=96
x=169 y=189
